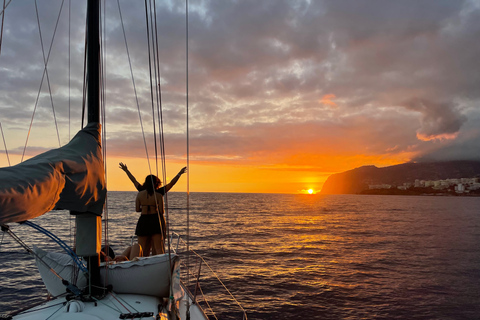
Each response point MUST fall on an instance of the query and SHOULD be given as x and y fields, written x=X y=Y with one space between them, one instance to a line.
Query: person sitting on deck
x=129 y=254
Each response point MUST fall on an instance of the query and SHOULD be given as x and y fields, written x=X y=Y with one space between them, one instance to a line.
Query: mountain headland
x=399 y=177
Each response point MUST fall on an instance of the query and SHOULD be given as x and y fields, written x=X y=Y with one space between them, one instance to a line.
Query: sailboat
x=72 y=178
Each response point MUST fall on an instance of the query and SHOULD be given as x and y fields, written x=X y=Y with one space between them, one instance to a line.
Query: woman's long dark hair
x=151 y=184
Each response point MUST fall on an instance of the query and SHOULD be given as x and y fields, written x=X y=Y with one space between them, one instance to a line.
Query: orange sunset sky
x=282 y=94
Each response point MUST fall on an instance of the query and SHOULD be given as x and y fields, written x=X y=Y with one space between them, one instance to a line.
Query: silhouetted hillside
x=356 y=180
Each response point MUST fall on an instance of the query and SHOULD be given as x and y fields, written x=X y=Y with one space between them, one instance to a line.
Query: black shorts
x=149 y=225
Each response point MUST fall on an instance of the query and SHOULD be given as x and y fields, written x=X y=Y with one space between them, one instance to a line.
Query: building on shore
x=463 y=185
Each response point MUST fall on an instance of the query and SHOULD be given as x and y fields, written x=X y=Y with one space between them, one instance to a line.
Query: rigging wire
x=156 y=63
x=34 y=307
x=158 y=95
x=69 y=63
x=125 y=302
x=103 y=81
x=188 y=147
x=136 y=96
x=114 y=308
x=67 y=284
x=84 y=97
x=60 y=308
x=103 y=103
x=151 y=80
x=5 y=7
x=69 y=95
x=1 y=29
x=158 y=91
x=154 y=52
x=43 y=77
x=5 y=144
x=45 y=61
x=134 y=86
x=161 y=133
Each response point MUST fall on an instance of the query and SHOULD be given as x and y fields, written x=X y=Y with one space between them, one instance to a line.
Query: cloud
x=286 y=83
x=439 y=120
x=327 y=99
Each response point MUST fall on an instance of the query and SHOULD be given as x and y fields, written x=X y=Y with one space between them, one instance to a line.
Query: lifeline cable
x=218 y=278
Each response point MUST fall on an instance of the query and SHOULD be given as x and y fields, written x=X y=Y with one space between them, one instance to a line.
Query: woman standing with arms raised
x=151 y=226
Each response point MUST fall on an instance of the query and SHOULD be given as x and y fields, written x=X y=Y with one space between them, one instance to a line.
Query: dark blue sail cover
x=71 y=177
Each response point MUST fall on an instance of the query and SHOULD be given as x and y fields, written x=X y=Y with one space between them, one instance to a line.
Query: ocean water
x=301 y=256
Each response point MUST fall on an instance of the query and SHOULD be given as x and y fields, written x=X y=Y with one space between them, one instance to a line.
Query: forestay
x=71 y=178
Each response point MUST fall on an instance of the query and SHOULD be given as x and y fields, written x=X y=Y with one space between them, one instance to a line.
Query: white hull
x=145 y=276
x=140 y=289
x=111 y=307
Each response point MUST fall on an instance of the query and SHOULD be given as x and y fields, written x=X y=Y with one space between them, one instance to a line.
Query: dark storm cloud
x=439 y=120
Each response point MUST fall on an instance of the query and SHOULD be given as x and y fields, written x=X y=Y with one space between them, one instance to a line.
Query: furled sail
x=71 y=177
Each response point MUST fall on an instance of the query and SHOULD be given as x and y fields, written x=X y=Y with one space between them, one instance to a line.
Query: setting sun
x=307 y=191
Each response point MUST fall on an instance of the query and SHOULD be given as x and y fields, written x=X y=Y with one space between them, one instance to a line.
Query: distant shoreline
x=419 y=192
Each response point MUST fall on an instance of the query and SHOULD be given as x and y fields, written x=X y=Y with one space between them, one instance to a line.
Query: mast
x=89 y=225
x=93 y=61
